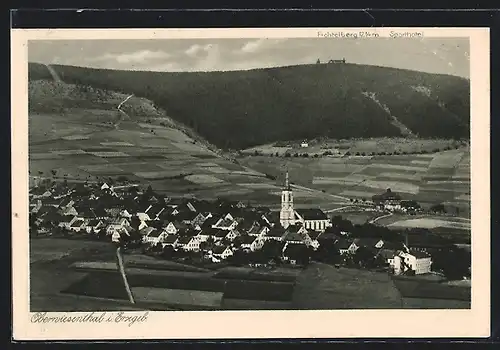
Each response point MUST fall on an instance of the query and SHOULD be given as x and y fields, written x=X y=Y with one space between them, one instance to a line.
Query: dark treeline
x=300 y=102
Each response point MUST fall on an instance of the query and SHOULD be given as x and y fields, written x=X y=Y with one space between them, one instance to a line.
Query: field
x=82 y=145
x=322 y=286
x=442 y=177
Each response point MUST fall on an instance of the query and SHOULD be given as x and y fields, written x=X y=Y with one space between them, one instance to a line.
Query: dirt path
x=54 y=74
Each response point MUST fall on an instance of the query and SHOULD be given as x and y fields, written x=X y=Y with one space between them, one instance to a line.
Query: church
x=310 y=219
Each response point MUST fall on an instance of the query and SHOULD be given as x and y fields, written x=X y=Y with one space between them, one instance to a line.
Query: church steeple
x=287 y=213
x=287 y=184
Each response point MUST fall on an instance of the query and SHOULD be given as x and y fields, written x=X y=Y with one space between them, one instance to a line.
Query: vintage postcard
x=250 y=183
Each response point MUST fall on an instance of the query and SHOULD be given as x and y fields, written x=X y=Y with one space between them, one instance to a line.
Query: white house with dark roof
x=419 y=262
x=251 y=243
x=170 y=240
x=222 y=252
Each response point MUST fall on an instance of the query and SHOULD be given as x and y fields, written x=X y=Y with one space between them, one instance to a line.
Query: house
x=95 y=225
x=186 y=217
x=369 y=242
x=222 y=252
x=312 y=239
x=125 y=214
x=251 y=243
x=174 y=227
x=154 y=236
x=154 y=211
x=117 y=224
x=304 y=144
x=200 y=218
x=346 y=246
x=292 y=252
x=209 y=223
x=276 y=233
x=388 y=200
x=295 y=237
x=416 y=261
x=144 y=232
x=387 y=255
x=77 y=225
x=170 y=240
x=226 y=223
x=69 y=211
x=258 y=231
x=312 y=219
x=189 y=243
x=118 y=234
x=219 y=234
x=68 y=221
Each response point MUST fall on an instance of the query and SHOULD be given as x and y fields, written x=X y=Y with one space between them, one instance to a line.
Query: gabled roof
x=343 y=243
x=314 y=234
x=387 y=253
x=312 y=214
x=419 y=254
x=225 y=223
x=368 y=242
x=276 y=231
x=179 y=225
x=219 y=249
x=146 y=231
x=77 y=223
x=188 y=233
x=247 y=239
x=294 y=237
x=255 y=230
x=170 y=239
x=184 y=240
x=155 y=233
x=209 y=222
x=293 y=229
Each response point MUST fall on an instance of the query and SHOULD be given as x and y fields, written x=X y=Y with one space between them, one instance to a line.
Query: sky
x=433 y=55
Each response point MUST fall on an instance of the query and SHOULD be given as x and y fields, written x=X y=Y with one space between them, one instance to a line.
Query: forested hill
x=239 y=109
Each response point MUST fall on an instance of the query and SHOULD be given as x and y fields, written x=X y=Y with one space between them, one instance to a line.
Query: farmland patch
x=259 y=186
x=334 y=181
x=430 y=223
x=109 y=154
x=204 y=179
x=393 y=185
x=359 y=194
x=75 y=137
x=69 y=152
x=398 y=167
x=178 y=296
x=446 y=160
x=156 y=175
x=217 y=170
x=102 y=169
x=116 y=143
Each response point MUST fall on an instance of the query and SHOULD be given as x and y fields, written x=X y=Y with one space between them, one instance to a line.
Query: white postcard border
x=260 y=324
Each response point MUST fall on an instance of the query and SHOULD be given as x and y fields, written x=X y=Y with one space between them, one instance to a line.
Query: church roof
x=312 y=214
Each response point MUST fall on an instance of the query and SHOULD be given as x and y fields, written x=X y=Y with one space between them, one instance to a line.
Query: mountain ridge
x=240 y=109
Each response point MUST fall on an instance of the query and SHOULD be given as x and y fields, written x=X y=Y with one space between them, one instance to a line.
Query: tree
x=454 y=263
x=364 y=257
x=328 y=252
x=438 y=208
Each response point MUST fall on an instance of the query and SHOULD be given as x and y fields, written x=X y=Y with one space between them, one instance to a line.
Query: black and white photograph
x=329 y=172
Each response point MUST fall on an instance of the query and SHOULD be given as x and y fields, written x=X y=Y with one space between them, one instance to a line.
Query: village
x=223 y=231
